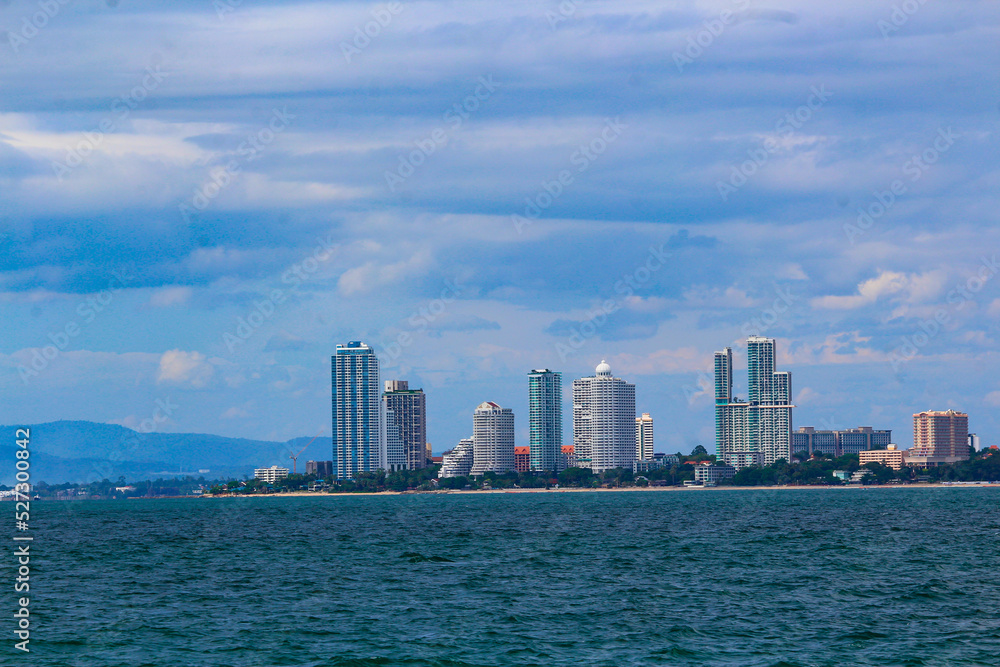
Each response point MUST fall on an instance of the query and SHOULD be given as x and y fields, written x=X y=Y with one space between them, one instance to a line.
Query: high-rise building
x=395 y=458
x=939 y=437
x=975 y=442
x=545 y=420
x=763 y=422
x=493 y=439
x=458 y=462
x=359 y=423
x=410 y=408
x=644 y=437
x=603 y=421
x=319 y=468
x=837 y=443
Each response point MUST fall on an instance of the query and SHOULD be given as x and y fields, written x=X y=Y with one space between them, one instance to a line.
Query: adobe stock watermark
x=131 y=439
x=769 y=316
x=957 y=298
x=454 y=117
x=293 y=277
x=625 y=287
x=34 y=24
x=120 y=110
x=88 y=310
x=222 y=177
x=225 y=7
x=899 y=16
x=363 y=35
x=582 y=158
x=757 y=325
x=419 y=321
x=786 y=126
x=915 y=168
x=711 y=30
x=566 y=9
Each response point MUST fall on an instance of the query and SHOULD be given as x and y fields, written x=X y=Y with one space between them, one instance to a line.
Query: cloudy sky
x=199 y=200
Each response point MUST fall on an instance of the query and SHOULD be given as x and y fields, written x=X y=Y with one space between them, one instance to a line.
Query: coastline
x=630 y=489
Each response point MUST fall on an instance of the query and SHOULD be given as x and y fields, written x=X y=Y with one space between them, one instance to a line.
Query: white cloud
x=805 y=396
x=373 y=275
x=170 y=296
x=185 y=368
x=910 y=289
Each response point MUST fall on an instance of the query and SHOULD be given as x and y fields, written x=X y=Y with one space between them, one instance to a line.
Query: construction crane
x=295 y=457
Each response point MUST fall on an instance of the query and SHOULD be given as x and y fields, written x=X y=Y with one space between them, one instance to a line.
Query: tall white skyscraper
x=359 y=421
x=644 y=437
x=545 y=420
x=763 y=422
x=492 y=438
x=604 y=421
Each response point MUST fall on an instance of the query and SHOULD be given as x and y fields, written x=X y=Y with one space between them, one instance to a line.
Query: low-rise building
x=859 y=475
x=740 y=460
x=838 y=443
x=522 y=459
x=710 y=475
x=659 y=460
x=270 y=475
x=458 y=462
x=892 y=457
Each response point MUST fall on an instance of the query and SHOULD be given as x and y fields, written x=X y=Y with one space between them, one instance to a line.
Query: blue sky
x=502 y=186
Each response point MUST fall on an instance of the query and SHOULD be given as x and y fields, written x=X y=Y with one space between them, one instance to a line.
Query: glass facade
x=545 y=420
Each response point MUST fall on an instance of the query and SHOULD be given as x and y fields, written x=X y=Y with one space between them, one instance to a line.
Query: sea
x=786 y=577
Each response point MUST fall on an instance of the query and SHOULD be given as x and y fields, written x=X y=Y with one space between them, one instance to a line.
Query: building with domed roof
x=603 y=421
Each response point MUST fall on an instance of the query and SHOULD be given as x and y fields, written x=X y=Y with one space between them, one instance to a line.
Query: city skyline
x=859 y=232
x=503 y=313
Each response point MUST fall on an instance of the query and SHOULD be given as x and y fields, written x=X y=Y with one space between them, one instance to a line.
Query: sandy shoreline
x=855 y=487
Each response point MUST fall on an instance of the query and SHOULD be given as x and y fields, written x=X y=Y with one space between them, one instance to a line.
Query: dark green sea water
x=792 y=577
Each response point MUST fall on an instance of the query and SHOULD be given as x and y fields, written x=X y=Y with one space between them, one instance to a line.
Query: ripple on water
x=796 y=578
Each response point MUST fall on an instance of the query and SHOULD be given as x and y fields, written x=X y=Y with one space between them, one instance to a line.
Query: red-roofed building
x=522 y=459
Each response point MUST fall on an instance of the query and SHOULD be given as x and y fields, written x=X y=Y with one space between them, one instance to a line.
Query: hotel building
x=763 y=422
x=359 y=421
x=644 y=437
x=458 y=462
x=891 y=457
x=604 y=421
x=270 y=475
x=939 y=437
x=522 y=459
x=837 y=443
x=545 y=420
x=410 y=409
x=492 y=438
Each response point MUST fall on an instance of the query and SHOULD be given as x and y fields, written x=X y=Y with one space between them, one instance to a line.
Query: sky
x=200 y=200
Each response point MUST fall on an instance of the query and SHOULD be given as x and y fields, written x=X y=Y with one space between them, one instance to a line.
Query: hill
x=81 y=451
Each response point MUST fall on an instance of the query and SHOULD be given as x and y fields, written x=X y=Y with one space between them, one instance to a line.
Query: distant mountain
x=79 y=451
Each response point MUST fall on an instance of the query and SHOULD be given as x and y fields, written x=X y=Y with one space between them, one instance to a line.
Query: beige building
x=891 y=457
x=939 y=437
x=644 y=437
